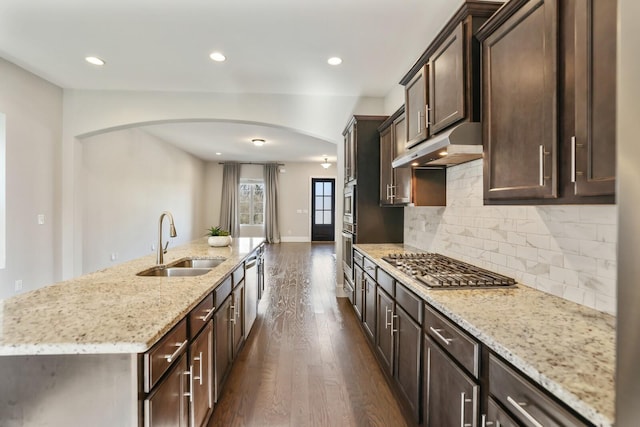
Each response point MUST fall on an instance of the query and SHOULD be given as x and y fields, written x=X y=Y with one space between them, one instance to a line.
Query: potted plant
x=218 y=237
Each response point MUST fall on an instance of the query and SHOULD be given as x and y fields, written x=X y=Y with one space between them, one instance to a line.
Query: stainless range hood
x=460 y=144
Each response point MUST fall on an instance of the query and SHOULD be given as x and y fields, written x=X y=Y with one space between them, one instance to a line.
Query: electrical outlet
x=18 y=285
x=153 y=247
x=41 y=219
x=114 y=256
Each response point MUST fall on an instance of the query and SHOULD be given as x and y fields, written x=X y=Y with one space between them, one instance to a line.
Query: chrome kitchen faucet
x=172 y=233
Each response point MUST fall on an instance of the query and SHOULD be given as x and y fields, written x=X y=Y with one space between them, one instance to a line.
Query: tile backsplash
x=565 y=250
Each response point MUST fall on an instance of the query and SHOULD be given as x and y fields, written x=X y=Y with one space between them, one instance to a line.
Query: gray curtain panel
x=229 y=205
x=271 y=225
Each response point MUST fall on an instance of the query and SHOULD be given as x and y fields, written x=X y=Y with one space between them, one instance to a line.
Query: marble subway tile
x=598 y=214
x=598 y=250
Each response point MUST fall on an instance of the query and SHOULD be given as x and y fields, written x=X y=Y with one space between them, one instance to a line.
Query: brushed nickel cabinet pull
x=207 y=316
x=199 y=359
x=171 y=357
x=190 y=392
x=519 y=407
x=437 y=332
x=573 y=159
x=541 y=161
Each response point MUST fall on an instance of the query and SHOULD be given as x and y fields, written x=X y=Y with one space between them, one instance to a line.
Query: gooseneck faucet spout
x=172 y=232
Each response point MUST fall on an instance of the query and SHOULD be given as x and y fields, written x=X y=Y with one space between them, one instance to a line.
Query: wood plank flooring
x=306 y=362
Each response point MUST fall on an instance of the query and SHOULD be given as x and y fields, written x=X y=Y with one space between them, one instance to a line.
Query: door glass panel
x=319 y=203
x=327 y=217
x=327 y=189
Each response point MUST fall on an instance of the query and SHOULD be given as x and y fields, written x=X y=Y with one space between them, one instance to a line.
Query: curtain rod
x=253 y=163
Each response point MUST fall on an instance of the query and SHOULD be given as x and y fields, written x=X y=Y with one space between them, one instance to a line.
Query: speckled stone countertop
x=112 y=310
x=566 y=348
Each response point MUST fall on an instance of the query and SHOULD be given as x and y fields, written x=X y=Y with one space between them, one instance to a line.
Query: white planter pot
x=219 y=241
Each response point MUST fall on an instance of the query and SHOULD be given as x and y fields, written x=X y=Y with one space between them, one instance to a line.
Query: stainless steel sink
x=163 y=271
x=197 y=262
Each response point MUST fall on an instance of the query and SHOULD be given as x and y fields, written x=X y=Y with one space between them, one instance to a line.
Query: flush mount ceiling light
x=218 y=154
x=217 y=56
x=326 y=164
x=334 y=60
x=94 y=60
x=258 y=142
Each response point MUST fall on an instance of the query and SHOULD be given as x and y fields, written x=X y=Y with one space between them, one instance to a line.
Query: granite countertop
x=112 y=310
x=566 y=348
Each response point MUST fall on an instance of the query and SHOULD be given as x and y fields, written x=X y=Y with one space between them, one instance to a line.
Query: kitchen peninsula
x=71 y=353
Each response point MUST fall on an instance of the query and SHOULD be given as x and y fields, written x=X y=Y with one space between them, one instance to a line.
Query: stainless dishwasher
x=251 y=293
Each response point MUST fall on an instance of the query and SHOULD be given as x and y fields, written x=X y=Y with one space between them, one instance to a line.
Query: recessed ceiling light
x=258 y=142
x=218 y=154
x=94 y=60
x=334 y=60
x=217 y=56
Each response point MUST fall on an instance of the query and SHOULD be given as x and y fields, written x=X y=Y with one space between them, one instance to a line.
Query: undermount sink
x=185 y=267
x=163 y=271
x=197 y=262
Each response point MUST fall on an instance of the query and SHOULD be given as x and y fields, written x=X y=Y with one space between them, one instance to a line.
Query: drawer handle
x=519 y=408
x=463 y=401
x=171 y=357
x=207 y=316
x=437 y=333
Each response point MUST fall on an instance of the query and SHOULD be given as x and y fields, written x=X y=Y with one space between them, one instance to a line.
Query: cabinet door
x=384 y=337
x=416 y=93
x=168 y=405
x=222 y=353
x=401 y=176
x=594 y=143
x=520 y=111
x=386 y=171
x=358 y=285
x=350 y=154
x=447 y=82
x=201 y=368
x=237 y=320
x=407 y=358
x=451 y=397
x=369 y=306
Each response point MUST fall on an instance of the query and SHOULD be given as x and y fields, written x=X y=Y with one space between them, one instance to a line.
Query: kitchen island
x=563 y=347
x=69 y=352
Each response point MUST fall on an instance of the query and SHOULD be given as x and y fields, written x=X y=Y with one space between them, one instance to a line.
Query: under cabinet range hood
x=460 y=144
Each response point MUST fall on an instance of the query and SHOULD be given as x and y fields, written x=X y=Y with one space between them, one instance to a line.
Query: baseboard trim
x=295 y=239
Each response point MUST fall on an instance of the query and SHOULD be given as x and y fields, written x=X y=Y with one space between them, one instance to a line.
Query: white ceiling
x=272 y=46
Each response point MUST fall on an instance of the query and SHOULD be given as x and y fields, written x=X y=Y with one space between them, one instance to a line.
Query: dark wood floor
x=306 y=362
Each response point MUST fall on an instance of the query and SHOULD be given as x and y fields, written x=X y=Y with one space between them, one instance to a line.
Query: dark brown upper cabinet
x=443 y=86
x=416 y=96
x=395 y=183
x=446 y=80
x=548 y=102
x=350 y=164
x=593 y=146
x=520 y=92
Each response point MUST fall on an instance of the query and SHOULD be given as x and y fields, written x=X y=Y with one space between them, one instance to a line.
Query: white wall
x=295 y=196
x=33 y=109
x=88 y=112
x=569 y=251
x=128 y=179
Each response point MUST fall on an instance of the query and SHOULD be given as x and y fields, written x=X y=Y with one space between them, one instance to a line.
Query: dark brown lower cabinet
x=237 y=320
x=408 y=334
x=384 y=339
x=168 y=404
x=222 y=351
x=358 y=285
x=201 y=356
x=451 y=397
x=369 y=314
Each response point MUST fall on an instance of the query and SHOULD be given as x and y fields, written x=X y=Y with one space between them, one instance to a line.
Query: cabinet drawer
x=525 y=401
x=409 y=302
x=238 y=275
x=222 y=292
x=369 y=267
x=386 y=282
x=457 y=343
x=199 y=316
x=358 y=258
x=164 y=353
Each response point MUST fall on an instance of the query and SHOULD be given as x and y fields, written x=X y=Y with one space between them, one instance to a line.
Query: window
x=251 y=203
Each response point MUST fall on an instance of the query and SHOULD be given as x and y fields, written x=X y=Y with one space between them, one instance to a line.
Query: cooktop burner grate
x=441 y=272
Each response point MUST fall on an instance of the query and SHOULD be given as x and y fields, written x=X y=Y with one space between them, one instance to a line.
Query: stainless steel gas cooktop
x=441 y=272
